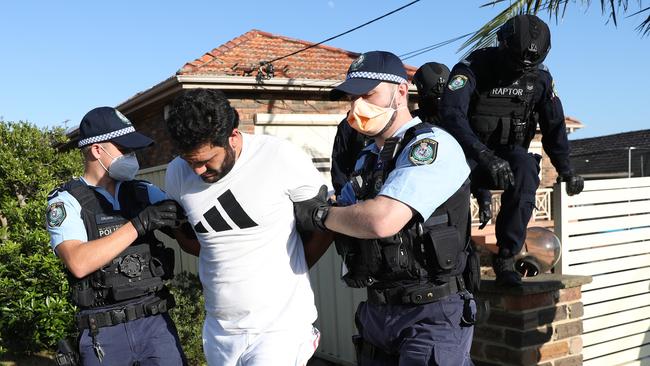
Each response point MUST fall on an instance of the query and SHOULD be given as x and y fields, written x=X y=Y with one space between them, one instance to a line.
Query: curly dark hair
x=200 y=116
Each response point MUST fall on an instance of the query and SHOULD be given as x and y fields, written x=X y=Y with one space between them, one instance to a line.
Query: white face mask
x=123 y=167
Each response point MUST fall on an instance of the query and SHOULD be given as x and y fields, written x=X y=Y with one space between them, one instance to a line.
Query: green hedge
x=34 y=310
x=189 y=315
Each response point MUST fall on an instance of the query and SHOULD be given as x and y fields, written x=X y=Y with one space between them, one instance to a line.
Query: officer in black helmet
x=101 y=226
x=488 y=106
x=430 y=80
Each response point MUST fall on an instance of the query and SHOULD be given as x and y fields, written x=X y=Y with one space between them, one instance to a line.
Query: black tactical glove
x=498 y=168
x=574 y=183
x=484 y=213
x=311 y=214
x=162 y=214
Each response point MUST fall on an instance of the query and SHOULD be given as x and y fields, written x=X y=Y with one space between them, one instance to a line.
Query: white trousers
x=282 y=348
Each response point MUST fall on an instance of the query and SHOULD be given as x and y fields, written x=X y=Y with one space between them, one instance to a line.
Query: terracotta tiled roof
x=242 y=56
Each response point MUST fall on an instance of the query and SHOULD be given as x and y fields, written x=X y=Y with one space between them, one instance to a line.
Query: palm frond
x=644 y=27
x=486 y=35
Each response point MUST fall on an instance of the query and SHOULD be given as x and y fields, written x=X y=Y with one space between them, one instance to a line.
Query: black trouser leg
x=518 y=202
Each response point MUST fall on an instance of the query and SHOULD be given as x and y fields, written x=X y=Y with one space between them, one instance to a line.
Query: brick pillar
x=539 y=323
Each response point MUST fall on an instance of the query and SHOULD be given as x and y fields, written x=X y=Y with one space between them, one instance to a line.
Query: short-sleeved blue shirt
x=428 y=171
x=69 y=224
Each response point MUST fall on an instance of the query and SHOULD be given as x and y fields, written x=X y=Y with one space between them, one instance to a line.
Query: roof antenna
x=266 y=71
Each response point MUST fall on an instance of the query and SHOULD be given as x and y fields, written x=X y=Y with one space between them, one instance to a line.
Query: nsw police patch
x=55 y=214
x=457 y=82
x=423 y=152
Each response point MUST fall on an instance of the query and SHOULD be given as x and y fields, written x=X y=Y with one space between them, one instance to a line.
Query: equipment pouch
x=518 y=131
x=143 y=287
x=396 y=257
x=83 y=295
x=66 y=355
x=446 y=246
x=472 y=272
x=371 y=256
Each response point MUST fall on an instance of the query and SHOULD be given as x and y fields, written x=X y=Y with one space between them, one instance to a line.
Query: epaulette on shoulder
x=542 y=67
x=67 y=186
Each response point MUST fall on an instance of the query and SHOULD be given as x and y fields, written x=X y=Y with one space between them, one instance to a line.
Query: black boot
x=504 y=268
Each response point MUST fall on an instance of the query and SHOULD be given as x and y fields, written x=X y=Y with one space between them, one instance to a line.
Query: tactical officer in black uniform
x=430 y=80
x=490 y=106
x=101 y=226
x=403 y=220
x=348 y=143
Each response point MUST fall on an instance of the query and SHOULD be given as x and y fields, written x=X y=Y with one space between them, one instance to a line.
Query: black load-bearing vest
x=424 y=251
x=139 y=270
x=501 y=113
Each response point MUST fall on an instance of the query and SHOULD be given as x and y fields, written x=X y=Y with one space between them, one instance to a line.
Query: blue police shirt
x=428 y=171
x=72 y=226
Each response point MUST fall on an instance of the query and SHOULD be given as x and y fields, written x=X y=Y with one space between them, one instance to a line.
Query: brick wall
x=150 y=119
x=537 y=324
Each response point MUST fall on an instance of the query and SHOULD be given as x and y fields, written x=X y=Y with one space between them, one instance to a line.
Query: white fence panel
x=605 y=233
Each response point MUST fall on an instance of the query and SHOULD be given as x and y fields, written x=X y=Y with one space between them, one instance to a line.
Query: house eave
x=177 y=82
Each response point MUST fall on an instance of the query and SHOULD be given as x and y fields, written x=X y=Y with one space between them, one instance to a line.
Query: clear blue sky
x=60 y=59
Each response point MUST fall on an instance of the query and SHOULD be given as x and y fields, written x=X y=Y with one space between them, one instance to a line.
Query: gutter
x=176 y=83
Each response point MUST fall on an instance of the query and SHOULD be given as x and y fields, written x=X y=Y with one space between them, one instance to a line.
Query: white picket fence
x=605 y=233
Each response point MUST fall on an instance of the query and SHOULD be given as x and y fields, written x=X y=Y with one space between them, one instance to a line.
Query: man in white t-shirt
x=238 y=191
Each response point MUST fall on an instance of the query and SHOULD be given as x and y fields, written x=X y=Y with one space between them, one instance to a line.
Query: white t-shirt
x=252 y=263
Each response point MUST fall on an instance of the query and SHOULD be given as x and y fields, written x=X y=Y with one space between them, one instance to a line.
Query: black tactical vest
x=139 y=270
x=424 y=251
x=500 y=113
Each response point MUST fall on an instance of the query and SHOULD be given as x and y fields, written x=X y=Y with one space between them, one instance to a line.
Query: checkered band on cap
x=106 y=136
x=376 y=76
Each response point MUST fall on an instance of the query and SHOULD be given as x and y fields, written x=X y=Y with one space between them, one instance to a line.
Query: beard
x=214 y=175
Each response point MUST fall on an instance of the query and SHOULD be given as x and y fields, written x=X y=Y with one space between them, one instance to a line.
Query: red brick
x=567 y=330
x=576 y=310
x=528 y=302
x=537 y=337
x=553 y=350
x=575 y=346
x=489 y=333
x=507 y=355
x=569 y=361
x=570 y=294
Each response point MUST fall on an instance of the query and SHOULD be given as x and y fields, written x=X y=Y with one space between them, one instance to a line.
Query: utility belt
x=125 y=314
x=416 y=295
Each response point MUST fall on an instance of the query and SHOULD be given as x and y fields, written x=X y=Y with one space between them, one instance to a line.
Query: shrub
x=189 y=315
x=34 y=310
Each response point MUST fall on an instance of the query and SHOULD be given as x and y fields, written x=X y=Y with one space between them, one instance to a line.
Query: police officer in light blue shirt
x=403 y=225
x=101 y=226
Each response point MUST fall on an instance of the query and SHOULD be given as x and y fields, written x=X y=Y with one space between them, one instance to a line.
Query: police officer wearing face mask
x=490 y=105
x=403 y=225
x=101 y=226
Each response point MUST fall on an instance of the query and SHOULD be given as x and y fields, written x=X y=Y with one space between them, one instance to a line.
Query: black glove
x=311 y=214
x=498 y=168
x=574 y=183
x=162 y=214
x=484 y=213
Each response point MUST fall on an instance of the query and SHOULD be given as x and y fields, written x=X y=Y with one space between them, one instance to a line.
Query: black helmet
x=430 y=79
x=541 y=252
x=526 y=39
